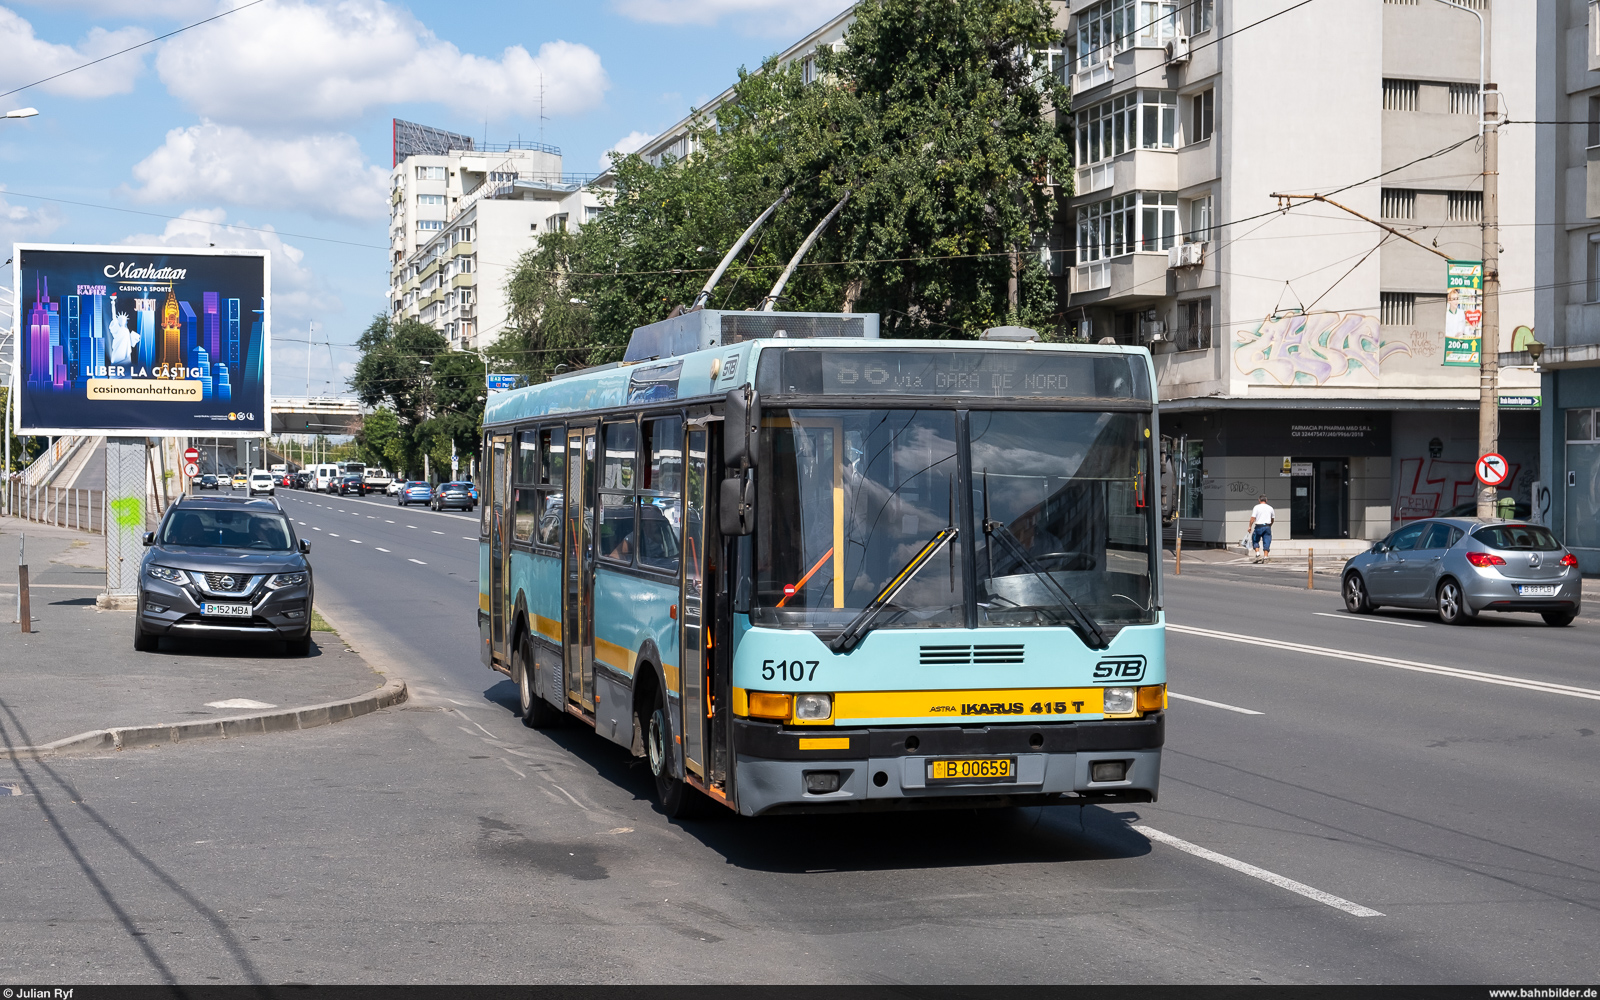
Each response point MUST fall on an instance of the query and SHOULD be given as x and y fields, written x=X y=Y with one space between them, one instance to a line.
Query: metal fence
x=81 y=509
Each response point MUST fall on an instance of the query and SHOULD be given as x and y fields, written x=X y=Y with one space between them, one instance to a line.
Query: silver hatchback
x=1460 y=566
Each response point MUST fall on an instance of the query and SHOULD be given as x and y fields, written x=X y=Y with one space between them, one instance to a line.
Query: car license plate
x=973 y=769
x=1538 y=591
x=226 y=610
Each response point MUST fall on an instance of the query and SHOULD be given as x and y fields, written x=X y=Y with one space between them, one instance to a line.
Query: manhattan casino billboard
x=142 y=341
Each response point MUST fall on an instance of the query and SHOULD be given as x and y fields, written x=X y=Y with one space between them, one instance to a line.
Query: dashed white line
x=438 y=532
x=412 y=527
x=419 y=562
x=380 y=548
x=387 y=521
x=1367 y=618
x=1326 y=898
x=333 y=534
x=468 y=538
x=1214 y=704
x=315 y=528
x=356 y=540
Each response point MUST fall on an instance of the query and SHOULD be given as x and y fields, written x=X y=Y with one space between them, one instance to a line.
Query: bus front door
x=500 y=514
x=692 y=642
x=577 y=626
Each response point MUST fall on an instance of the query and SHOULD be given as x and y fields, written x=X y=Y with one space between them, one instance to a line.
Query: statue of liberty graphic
x=123 y=339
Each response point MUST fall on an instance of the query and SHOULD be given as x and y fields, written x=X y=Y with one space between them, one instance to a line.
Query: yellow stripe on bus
x=614 y=656
x=547 y=627
x=1011 y=702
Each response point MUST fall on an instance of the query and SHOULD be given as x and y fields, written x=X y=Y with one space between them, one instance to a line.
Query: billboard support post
x=127 y=471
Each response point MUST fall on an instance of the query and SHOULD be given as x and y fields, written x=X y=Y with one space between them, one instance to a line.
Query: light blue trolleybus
x=802 y=569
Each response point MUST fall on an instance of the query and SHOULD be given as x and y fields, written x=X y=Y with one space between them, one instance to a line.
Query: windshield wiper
x=861 y=624
x=1092 y=632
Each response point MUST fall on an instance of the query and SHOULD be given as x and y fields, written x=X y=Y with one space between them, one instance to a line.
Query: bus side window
x=661 y=516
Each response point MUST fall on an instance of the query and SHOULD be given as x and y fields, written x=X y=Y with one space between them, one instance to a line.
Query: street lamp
x=22 y=113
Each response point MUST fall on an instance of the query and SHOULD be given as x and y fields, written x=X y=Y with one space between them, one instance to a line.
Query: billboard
x=131 y=341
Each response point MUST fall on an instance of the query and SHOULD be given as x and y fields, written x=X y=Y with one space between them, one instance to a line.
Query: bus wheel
x=677 y=799
x=536 y=712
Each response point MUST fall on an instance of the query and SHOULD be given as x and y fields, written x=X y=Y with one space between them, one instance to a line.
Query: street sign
x=1492 y=469
x=501 y=382
x=191 y=469
x=191 y=455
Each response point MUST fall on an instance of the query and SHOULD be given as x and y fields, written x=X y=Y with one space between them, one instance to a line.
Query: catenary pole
x=1489 y=345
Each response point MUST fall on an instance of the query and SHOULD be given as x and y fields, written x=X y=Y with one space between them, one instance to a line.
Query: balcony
x=1096 y=178
x=464 y=280
x=1131 y=276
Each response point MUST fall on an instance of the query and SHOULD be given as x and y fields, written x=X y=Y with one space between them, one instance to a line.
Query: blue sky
x=277 y=118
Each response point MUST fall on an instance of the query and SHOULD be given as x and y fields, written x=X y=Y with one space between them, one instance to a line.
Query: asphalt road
x=1437 y=825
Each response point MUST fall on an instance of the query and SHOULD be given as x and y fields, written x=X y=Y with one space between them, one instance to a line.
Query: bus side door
x=499 y=544
x=577 y=614
x=692 y=641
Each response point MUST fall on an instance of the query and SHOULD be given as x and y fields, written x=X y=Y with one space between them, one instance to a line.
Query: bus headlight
x=1119 y=701
x=813 y=707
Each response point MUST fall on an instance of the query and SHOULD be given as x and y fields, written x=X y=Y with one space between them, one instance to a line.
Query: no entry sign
x=1492 y=469
x=191 y=454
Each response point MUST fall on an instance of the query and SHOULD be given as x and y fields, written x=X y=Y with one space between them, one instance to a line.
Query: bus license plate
x=1538 y=591
x=973 y=769
x=226 y=610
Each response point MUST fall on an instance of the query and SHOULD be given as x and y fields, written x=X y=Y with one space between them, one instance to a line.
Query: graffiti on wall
x=1315 y=348
x=1431 y=486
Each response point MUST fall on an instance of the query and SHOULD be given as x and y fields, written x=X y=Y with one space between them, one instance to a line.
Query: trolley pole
x=1489 y=346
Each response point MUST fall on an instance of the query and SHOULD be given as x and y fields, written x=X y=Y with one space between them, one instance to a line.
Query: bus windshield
x=849 y=496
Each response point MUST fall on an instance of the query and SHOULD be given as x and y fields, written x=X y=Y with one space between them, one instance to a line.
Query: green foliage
x=936 y=116
x=380 y=440
x=434 y=395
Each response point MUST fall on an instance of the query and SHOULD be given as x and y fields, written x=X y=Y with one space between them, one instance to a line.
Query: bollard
x=1177 y=561
x=1310 y=567
x=24 y=612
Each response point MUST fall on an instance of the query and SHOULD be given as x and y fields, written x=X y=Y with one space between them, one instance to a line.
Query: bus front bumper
x=778 y=771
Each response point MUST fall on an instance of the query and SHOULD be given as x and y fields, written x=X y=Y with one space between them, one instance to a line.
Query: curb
x=286 y=720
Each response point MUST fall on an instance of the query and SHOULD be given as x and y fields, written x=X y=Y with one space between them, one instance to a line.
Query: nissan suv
x=225 y=568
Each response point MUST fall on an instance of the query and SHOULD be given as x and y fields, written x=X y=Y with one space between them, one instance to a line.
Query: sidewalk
x=78 y=670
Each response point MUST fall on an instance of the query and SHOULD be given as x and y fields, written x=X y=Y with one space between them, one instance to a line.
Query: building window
x=556 y=223
x=1398 y=308
x=1592 y=291
x=591 y=213
x=430 y=199
x=1399 y=95
x=1200 y=219
x=430 y=224
x=1398 y=203
x=1202 y=109
x=1145 y=119
x=808 y=69
x=1055 y=63
x=1583 y=426
x=1201 y=15
x=1194 y=330
x=1594 y=121
x=430 y=173
x=1465 y=206
x=1463 y=99
x=1107 y=28
x=1144 y=220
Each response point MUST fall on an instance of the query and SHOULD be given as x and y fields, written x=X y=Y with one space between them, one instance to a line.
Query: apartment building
x=1302 y=354
x=461 y=214
x=1567 y=303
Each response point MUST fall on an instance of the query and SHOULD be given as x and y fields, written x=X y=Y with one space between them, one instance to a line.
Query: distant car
x=1460 y=567
x=415 y=491
x=224 y=568
x=240 y=481
x=262 y=482
x=457 y=495
x=474 y=487
x=393 y=489
x=302 y=480
x=208 y=482
x=351 y=484
x=286 y=480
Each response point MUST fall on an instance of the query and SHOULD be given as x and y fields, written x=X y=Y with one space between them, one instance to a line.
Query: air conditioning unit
x=1153 y=331
x=1186 y=255
x=1178 y=50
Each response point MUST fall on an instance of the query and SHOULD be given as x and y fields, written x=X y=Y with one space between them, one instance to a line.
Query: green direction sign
x=1463 y=313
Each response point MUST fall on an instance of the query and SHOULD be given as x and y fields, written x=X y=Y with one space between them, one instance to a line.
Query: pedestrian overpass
x=330 y=415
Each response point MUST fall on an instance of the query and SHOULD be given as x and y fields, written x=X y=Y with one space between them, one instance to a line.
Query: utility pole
x=1489 y=345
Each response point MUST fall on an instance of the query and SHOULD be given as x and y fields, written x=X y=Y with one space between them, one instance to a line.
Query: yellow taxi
x=240 y=481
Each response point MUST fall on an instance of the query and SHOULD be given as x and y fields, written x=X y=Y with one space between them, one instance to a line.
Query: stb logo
x=1123 y=668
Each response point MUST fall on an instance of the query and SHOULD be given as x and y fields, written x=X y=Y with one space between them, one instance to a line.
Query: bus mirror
x=742 y=421
x=736 y=512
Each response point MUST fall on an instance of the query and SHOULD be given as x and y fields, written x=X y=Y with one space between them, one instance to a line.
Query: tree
x=938 y=116
x=381 y=441
x=435 y=394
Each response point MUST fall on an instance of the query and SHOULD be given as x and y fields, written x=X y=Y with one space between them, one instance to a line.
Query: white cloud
x=297 y=60
x=320 y=174
x=138 y=9
x=29 y=58
x=298 y=293
x=625 y=145
x=21 y=223
x=761 y=17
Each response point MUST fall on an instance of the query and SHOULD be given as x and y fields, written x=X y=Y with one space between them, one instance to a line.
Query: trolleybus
x=800 y=568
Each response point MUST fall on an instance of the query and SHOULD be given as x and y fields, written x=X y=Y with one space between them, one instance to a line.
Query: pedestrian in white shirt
x=1261 y=518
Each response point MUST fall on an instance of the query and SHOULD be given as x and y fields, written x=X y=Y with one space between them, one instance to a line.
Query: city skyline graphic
x=121 y=338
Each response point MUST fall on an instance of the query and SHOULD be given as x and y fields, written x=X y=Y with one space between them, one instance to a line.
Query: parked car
x=457 y=495
x=1460 y=567
x=224 y=567
x=262 y=483
x=351 y=484
x=302 y=480
x=415 y=491
x=240 y=481
x=208 y=482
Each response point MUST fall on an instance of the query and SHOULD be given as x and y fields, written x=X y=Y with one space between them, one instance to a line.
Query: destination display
x=965 y=373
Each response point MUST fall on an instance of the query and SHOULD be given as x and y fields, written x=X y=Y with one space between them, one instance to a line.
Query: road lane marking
x=1214 y=704
x=315 y=528
x=380 y=548
x=419 y=562
x=468 y=538
x=387 y=521
x=1460 y=673
x=438 y=532
x=412 y=527
x=333 y=534
x=1326 y=898
x=1366 y=618
x=356 y=540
